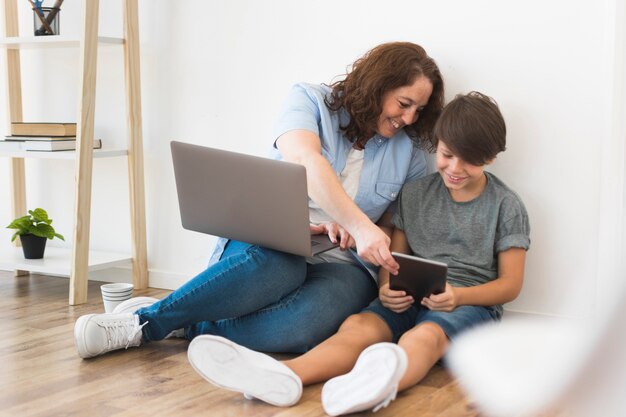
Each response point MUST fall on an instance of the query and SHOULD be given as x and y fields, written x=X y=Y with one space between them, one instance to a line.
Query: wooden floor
x=41 y=374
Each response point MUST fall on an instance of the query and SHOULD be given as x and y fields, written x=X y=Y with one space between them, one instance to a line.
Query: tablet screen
x=419 y=277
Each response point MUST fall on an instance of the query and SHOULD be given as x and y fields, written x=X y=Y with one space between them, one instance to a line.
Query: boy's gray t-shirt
x=467 y=236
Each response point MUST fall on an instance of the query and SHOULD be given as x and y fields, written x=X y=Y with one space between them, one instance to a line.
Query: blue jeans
x=264 y=299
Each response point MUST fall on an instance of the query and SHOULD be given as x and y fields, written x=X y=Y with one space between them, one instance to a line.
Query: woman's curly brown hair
x=384 y=68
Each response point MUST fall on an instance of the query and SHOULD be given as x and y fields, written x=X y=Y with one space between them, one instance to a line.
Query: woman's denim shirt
x=387 y=162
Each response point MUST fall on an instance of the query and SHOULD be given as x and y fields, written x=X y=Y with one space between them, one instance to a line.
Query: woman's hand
x=373 y=245
x=445 y=301
x=333 y=230
x=396 y=301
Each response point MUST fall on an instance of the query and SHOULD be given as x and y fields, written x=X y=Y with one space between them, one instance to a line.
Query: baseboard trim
x=158 y=279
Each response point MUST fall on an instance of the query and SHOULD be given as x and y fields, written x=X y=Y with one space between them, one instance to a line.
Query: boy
x=462 y=216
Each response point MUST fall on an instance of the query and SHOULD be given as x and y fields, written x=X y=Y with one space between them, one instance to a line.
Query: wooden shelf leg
x=14 y=97
x=18 y=196
x=84 y=152
x=135 y=145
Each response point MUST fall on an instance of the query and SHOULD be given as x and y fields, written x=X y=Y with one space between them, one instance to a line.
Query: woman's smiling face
x=401 y=107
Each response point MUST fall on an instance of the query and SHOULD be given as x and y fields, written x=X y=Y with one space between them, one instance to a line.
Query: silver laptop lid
x=243 y=197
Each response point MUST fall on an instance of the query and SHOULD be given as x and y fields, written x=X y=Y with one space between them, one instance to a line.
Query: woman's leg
x=303 y=318
x=246 y=279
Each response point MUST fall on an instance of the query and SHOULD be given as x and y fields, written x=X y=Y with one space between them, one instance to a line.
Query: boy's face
x=401 y=106
x=464 y=180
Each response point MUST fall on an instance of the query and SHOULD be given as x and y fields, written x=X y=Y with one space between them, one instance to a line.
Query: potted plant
x=34 y=230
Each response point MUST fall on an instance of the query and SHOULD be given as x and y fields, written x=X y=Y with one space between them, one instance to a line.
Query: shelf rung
x=57 y=261
x=97 y=153
x=52 y=42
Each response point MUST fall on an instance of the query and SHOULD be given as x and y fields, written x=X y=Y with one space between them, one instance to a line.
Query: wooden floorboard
x=41 y=374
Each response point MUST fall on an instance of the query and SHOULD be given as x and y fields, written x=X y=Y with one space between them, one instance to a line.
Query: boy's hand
x=396 y=301
x=445 y=301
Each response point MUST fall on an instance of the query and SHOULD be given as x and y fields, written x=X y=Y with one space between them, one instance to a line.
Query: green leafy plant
x=37 y=223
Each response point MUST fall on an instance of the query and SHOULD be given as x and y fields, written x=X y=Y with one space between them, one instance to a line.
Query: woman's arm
x=503 y=289
x=304 y=147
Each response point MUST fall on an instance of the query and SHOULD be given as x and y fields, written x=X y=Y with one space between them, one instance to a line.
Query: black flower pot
x=33 y=246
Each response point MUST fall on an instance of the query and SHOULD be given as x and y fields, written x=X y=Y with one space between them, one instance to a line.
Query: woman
x=357 y=139
x=437 y=218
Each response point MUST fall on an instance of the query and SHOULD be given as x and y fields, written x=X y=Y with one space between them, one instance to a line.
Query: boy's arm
x=503 y=289
x=385 y=224
x=396 y=301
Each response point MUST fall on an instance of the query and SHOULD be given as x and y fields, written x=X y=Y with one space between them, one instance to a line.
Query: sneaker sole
x=79 y=329
x=230 y=366
x=134 y=304
x=361 y=390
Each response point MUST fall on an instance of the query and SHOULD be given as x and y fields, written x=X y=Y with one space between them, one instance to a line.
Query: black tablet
x=419 y=277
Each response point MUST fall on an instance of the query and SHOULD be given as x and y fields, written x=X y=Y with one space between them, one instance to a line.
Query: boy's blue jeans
x=264 y=299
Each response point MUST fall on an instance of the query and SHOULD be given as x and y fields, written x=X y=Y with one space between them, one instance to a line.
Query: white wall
x=216 y=73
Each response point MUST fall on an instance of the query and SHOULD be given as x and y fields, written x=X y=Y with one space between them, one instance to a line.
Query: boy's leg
x=384 y=368
x=424 y=345
x=373 y=380
x=338 y=354
x=428 y=341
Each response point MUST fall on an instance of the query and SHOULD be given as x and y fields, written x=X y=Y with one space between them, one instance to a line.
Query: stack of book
x=47 y=137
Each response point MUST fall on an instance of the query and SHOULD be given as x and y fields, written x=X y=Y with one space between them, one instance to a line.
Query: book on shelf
x=43 y=129
x=44 y=146
x=11 y=146
x=57 y=145
x=43 y=138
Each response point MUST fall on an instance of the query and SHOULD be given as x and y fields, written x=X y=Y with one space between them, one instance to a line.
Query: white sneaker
x=96 y=334
x=231 y=366
x=371 y=384
x=133 y=304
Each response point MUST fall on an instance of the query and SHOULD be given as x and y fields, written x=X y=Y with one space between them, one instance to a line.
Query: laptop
x=247 y=198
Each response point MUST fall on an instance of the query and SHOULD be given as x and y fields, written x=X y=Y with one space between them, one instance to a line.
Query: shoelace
x=384 y=403
x=122 y=335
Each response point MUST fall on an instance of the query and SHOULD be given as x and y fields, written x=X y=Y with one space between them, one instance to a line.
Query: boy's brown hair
x=472 y=127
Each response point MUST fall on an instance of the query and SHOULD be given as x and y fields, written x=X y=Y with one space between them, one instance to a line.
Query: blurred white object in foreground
x=524 y=367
